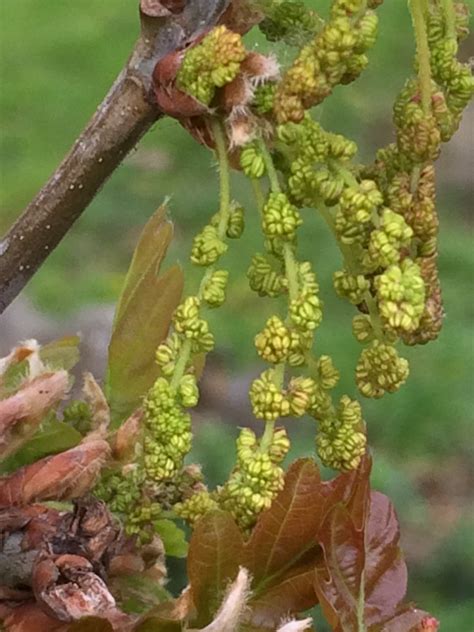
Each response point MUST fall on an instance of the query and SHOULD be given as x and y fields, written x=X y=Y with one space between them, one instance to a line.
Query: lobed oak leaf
x=214 y=558
x=364 y=577
x=142 y=318
x=283 y=552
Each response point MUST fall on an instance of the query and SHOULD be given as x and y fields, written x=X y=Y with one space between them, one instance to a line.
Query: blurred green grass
x=57 y=61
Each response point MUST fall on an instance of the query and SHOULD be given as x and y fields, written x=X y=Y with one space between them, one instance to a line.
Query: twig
x=124 y=116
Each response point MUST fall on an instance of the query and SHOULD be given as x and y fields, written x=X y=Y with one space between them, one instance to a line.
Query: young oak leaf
x=283 y=552
x=142 y=318
x=214 y=559
x=364 y=577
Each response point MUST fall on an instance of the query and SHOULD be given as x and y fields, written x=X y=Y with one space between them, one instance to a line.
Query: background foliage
x=57 y=61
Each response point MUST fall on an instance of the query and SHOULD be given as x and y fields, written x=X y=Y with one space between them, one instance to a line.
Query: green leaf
x=61 y=354
x=174 y=538
x=215 y=554
x=51 y=438
x=142 y=319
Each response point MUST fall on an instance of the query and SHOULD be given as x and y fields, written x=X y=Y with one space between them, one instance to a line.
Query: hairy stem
x=224 y=215
x=423 y=53
x=450 y=17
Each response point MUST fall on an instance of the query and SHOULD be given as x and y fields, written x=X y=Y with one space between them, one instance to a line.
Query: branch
x=124 y=116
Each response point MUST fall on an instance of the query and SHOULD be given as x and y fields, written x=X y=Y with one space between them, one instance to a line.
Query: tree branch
x=124 y=116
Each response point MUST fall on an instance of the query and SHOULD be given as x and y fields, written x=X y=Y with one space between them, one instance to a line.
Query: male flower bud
x=360 y=202
x=328 y=375
x=252 y=161
x=196 y=506
x=207 y=247
x=401 y=295
x=280 y=218
x=211 y=64
x=167 y=353
x=188 y=391
x=301 y=394
x=380 y=370
x=236 y=223
x=274 y=342
x=268 y=401
x=214 y=292
x=341 y=442
x=264 y=278
x=305 y=311
x=351 y=286
x=280 y=445
x=264 y=98
x=362 y=328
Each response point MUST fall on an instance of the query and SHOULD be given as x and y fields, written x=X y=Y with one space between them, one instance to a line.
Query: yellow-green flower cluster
x=252 y=161
x=351 y=286
x=187 y=321
x=341 y=441
x=167 y=427
x=207 y=247
x=211 y=64
x=312 y=154
x=380 y=370
x=280 y=218
x=214 y=289
x=266 y=277
x=268 y=400
x=386 y=243
x=257 y=477
x=401 y=296
x=453 y=77
x=337 y=54
x=358 y=208
x=196 y=506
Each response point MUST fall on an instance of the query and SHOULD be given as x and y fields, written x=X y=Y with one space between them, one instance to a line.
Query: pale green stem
x=224 y=214
x=361 y=606
x=224 y=176
x=259 y=197
x=271 y=171
x=423 y=53
x=450 y=17
x=291 y=269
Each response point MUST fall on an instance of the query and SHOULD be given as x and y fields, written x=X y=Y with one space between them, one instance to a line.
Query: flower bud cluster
x=280 y=218
x=337 y=54
x=341 y=441
x=289 y=21
x=401 y=296
x=214 y=289
x=167 y=427
x=196 y=506
x=266 y=276
x=380 y=370
x=211 y=64
x=257 y=477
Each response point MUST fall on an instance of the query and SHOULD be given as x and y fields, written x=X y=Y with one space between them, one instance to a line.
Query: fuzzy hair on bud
x=261 y=68
x=233 y=606
x=295 y=626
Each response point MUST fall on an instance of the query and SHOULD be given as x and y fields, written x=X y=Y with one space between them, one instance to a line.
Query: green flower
x=213 y=63
x=380 y=370
x=401 y=295
x=280 y=218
